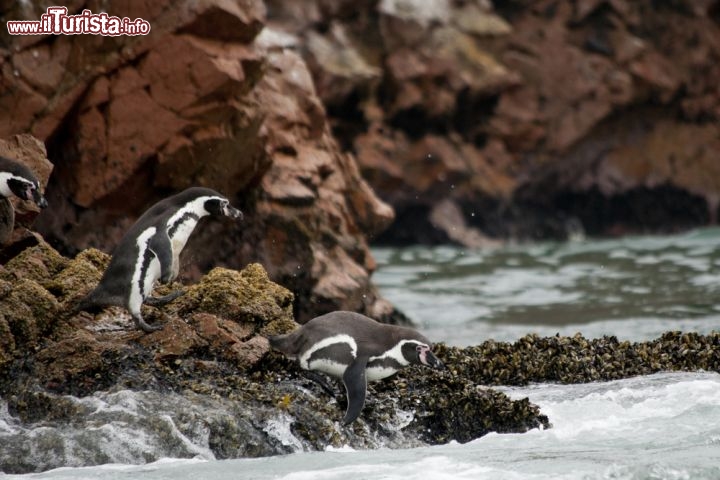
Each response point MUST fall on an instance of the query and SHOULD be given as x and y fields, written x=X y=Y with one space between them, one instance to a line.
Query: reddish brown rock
x=209 y=368
x=523 y=107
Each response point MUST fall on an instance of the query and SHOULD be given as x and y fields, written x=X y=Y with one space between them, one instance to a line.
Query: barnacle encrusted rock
x=38 y=263
x=578 y=359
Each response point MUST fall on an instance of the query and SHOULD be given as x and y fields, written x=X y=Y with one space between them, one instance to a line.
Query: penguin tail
x=276 y=341
x=94 y=302
x=85 y=304
x=283 y=343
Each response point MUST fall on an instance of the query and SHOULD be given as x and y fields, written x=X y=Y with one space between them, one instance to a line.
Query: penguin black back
x=371 y=337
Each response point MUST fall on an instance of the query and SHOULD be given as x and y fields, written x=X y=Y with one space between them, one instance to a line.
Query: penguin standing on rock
x=357 y=350
x=150 y=251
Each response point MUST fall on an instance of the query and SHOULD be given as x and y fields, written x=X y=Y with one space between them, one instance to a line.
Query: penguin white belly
x=378 y=373
x=334 y=369
x=386 y=364
x=146 y=271
x=176 y=247
x=151 y=275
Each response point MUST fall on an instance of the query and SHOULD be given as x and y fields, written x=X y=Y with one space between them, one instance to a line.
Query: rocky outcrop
x=204 y=99
x=522 y=120
x=84 y=390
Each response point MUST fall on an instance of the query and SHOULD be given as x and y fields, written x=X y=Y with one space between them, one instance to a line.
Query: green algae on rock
x=40 y=289
x=38 y=263
x=210 y=368
x=76 y=278
x=30 y=311
x=243 y=296
x=457 y=408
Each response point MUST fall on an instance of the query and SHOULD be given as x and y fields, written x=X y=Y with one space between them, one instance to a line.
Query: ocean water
x=662 y=426
x=635 y=288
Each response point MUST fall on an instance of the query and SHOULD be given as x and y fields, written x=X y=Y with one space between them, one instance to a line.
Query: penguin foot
x=144 y=326
x=159 y=301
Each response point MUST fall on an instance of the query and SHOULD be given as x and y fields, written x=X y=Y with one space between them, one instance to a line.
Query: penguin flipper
x=161 y=247
x=356 y=387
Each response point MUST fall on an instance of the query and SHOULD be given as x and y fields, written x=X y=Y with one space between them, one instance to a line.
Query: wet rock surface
x=532 y=119
x=86 y=389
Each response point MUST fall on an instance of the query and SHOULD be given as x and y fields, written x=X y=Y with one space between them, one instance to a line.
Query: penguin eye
x=213 y=206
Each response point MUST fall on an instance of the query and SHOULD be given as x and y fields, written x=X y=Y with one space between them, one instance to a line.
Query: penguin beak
x=432 y=361
x=233 y=212
x=32 y=192
x=39 y=199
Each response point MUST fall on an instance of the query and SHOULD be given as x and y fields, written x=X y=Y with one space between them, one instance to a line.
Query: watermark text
x=56 y=21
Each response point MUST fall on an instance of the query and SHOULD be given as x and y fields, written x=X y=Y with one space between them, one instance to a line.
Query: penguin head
x=420 y=353
x=220 y=206
x=22 y=187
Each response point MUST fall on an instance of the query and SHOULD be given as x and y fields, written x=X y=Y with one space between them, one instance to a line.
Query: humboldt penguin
x=357 y=350
x=150 y=251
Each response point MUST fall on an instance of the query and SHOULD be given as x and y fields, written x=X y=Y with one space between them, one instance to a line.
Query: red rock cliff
x=527 y=119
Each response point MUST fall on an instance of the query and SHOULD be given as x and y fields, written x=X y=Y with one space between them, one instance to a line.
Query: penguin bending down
x=17 y=179
x=150 y=251
x=356 y=349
